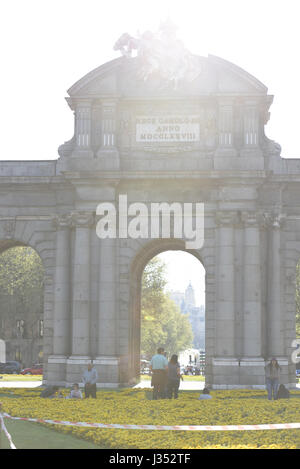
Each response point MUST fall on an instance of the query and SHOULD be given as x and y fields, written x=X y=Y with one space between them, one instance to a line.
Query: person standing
x=173 y=377
x=90 y=377
x=159 y=366
x=272 y=378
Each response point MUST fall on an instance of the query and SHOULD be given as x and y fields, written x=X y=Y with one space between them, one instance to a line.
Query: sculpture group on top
x=162 y=55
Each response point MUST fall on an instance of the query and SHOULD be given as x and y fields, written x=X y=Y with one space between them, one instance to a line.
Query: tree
x=21 y=270
x=162 y=322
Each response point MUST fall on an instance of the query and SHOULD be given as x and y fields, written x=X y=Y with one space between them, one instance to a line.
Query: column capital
x=273 y=220
x=227 y=218
x=83 y=219
x=250 y=219
x=62 y=222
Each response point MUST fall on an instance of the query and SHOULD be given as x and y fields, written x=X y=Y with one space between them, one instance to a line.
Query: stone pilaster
x=226 y=129
x=251 y=146
x=108 y=146
x=83 y=129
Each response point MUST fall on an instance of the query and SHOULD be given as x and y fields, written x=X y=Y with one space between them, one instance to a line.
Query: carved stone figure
x=161 y=54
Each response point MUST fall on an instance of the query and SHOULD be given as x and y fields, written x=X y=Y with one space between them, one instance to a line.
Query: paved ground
x=184 y=385
x=20 y=384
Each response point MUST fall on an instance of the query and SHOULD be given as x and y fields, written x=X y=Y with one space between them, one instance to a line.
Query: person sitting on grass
x=283 y=392
x=205 y=394
x=50 y=392
x=75 y=392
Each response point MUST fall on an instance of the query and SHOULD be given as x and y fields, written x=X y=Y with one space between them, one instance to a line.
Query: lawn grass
x=136 y=406
x=29 y=435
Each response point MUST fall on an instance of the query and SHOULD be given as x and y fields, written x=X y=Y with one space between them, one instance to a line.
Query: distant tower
x=189 y=297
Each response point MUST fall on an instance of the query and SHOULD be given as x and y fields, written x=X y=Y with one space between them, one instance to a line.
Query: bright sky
x=48 y=45
x=183 y=268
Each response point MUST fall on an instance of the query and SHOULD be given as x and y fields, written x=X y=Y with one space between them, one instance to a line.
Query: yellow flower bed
x=134 y=407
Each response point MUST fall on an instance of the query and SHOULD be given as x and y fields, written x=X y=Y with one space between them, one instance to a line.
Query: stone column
x=107 y=319
x=252 y=286
x=61 y=320
x=225 y=285
x=225 y=365
x=107 y=309
x=252 y=363
x=274 y=334
x=81 y=285
x=62 y=325
x=107 y=357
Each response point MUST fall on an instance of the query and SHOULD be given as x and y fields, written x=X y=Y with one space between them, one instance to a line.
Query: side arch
x=37 y=233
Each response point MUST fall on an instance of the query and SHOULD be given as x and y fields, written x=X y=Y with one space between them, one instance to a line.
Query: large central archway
x=149 y=251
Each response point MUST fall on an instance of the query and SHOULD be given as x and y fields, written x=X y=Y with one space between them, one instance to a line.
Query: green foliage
x=162 y=322
x=21 y=270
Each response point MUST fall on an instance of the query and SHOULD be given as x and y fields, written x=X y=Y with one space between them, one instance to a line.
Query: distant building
x=187 y=304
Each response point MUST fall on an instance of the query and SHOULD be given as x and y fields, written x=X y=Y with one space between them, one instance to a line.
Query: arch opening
x=22 y=304
x=168 y=307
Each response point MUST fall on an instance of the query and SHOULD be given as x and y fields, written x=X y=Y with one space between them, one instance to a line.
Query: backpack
x=283 y=392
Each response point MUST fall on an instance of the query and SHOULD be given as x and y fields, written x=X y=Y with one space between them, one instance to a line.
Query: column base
x=252 y=372
x=108 y=368
x=238 y=373
x=56 y=369
x=225 y=373
x=82 y=153
x=75 y=367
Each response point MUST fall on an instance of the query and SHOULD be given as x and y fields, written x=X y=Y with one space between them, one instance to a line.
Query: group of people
x=89 y=378
x=166 y=378
x=165 y=375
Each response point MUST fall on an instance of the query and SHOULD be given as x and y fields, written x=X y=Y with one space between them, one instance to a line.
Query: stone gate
x=161 y=136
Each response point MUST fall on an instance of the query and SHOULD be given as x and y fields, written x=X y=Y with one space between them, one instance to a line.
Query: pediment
x=121 y=77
